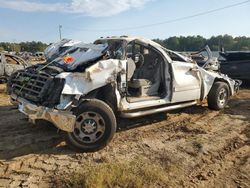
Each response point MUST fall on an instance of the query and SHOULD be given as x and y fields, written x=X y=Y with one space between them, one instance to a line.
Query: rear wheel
x=95 y=126
x=218 y=96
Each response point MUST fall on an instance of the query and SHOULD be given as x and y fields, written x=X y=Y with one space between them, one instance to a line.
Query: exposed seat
x=142 y=85
x=148 y=76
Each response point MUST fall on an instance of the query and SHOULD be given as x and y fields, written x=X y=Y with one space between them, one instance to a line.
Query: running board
x=156 y=110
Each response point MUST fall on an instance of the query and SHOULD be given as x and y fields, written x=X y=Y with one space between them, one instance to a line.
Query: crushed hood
x=80 y=54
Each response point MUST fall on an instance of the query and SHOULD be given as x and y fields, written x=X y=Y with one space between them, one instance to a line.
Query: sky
x=87 y=20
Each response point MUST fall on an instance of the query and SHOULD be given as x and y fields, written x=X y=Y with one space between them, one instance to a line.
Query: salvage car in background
x=39 y=56
x=9 y=64
x=83 y=88
x=234 y=64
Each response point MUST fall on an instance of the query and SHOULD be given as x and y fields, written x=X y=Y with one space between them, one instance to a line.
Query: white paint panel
x=186 y=82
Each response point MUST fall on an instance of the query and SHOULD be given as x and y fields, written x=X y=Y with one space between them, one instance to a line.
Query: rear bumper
x=63 y=120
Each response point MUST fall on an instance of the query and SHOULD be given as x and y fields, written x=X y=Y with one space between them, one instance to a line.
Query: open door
x=145 y=73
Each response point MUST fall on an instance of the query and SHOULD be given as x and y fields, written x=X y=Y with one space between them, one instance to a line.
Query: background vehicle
x=9 y=64
x=236 y=64
x=39 y=56
x=85 y=87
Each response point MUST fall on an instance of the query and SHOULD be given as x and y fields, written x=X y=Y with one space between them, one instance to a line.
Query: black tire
x=218 y=96
x=93 y=115
x=3 y=80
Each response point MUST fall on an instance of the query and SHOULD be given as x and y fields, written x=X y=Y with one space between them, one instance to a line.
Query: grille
x=30 y=85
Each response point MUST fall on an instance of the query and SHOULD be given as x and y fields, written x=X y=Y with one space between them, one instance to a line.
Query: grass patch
x=135 y=174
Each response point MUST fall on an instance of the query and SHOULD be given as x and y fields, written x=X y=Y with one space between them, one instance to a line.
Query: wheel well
x=105 y=94
x=224 y=81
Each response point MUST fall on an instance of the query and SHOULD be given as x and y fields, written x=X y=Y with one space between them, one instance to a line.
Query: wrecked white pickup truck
x=83 y=87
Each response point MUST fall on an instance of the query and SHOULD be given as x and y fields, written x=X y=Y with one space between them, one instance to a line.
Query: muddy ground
x=197 y=146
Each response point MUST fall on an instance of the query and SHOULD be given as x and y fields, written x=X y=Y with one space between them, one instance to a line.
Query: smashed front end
x=48 y=91
x=38 y=93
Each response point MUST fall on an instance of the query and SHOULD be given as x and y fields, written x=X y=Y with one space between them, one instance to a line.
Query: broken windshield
x=115 y=48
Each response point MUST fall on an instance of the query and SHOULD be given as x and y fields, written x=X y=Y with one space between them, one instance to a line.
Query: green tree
x=194 y=43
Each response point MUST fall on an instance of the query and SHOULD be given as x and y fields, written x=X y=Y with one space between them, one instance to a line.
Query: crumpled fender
x=209 y=78
x=96 y=76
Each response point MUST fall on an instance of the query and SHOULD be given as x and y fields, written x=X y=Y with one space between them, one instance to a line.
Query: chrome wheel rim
x=222 y=98
x=89 y=128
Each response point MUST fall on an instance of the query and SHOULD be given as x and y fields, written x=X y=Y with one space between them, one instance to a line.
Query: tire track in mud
x=174 y=121
x=18 y=137
x=216 y=166
x=180 y=125
x=232 y=145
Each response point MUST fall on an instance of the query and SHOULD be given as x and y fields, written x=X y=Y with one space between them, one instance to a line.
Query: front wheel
x=218 y=96
x=95 y=126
